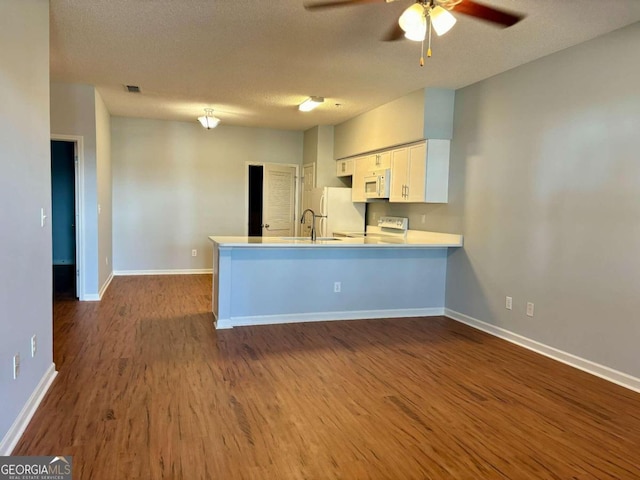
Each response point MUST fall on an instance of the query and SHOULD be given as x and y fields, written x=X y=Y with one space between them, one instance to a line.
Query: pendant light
x=208 y=120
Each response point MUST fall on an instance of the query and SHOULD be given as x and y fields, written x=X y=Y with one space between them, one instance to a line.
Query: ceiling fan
x=417 y=21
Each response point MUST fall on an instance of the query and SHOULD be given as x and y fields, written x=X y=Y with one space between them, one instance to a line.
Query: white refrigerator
x=336 y=212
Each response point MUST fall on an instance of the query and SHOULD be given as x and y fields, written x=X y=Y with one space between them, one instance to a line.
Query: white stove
x=387 y=227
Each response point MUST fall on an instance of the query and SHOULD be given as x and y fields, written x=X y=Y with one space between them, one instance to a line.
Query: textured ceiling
x=254 y=61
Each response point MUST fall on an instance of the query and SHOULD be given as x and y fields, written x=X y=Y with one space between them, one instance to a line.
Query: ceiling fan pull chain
x=429 y=49
x=422 y=53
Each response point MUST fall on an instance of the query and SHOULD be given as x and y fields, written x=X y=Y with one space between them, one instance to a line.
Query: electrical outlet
x=16 y=366
x=34 y=346
x=194 y=253
x=106 y=260
x=529 y=309
x=508 y=303
x=337 y=286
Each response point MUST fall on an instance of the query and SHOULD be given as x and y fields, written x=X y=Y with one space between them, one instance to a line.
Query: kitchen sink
x=323 y=239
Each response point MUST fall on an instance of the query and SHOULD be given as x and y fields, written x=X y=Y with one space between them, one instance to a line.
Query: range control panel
x=395 y=223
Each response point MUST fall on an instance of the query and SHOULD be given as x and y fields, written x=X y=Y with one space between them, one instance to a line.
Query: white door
x=309 y=183
x=278 y=201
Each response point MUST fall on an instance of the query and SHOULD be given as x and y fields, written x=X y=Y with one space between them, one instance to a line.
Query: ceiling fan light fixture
x=417 y=34
x=441 y=19
x=412 y=18
x=208 y=120
x=414 y=22
x=310 y=103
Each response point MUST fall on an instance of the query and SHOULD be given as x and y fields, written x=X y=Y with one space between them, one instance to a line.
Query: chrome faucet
x=313 y=222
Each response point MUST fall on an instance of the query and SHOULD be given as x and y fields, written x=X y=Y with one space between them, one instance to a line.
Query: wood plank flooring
x=148 y=389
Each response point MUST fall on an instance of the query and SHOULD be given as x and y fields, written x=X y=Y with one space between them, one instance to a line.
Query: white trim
x=614 y=376
x=12 y=437
x=196 y=271
x=105 y=286
x=326 y=317
x=80 y=221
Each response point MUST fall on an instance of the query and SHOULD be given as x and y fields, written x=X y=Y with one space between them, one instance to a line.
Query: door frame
x=78 y=142
x=296 y=196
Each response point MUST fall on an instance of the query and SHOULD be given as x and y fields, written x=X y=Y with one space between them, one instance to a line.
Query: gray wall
x=104 y=186
x=25 y=187
x=546 y=171
x=175 y=183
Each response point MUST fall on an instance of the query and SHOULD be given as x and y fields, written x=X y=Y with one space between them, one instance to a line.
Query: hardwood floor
x=148 y=389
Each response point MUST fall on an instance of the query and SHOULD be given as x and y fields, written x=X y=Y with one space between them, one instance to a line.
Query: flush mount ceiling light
x=310 y=103
x=208 y=120
x=417 y=21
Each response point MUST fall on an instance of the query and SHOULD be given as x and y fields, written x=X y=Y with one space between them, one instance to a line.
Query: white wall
x=25 y=187
x=547 y=159
x=104 y=185
x=175 y=183
x=73 y=112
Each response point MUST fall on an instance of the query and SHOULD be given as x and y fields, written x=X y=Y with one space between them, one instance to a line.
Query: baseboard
x=325 y=317
x=91 y=297
x=614 y=376
x=105 y=286
x=12 y=437
x=197 y=271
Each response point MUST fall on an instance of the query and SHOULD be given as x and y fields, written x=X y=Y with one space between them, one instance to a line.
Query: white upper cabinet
x=344 y=168
x=420 y=173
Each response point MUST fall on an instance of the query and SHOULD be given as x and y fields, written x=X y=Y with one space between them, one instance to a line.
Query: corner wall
x=25 y=187
x=318 y=149
x=104 y=185
x=73 y=112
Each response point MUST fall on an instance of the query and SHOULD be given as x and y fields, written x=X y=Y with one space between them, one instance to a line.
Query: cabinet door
x=399 y=171
x=344 y=168
x=416 y=175
x=384 y=160
x=360 y=169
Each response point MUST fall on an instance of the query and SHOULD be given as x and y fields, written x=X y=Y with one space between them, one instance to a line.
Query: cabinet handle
x=344 y=167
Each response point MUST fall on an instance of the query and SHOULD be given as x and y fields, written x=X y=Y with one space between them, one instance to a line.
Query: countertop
x=412 y=240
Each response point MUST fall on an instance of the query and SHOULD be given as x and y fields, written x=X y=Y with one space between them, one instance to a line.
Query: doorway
x=256 y=175
x=272 y=205
x=65 y=218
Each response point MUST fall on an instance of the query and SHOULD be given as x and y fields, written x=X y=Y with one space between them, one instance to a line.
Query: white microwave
x=378 y=184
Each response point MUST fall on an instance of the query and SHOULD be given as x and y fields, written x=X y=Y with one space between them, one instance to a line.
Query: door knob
x=266 y=225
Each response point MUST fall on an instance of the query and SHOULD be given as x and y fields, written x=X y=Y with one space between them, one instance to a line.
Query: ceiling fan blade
x=394 y=33
x=489 y=14
x=340 y=3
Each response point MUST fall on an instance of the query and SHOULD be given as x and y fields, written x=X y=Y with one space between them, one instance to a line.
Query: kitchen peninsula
x=265 y=280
